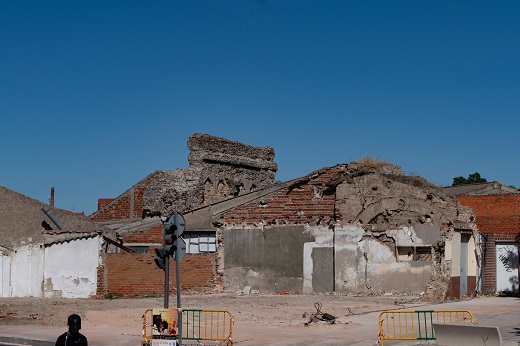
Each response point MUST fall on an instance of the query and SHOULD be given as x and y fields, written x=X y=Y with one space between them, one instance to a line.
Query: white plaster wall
x=27 y=271
x=473 y=254
x=71 y=268
x=406 y=236
x=455 y=254
x=369 y=265
x=308 y=268
x=5 y=276
x=346 y=254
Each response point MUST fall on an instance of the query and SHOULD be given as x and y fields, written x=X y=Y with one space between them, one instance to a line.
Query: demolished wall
x=369 y=228
x=218 y=169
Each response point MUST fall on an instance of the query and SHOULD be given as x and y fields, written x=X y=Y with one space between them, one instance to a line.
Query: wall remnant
x=385 y=231
x=218 y=169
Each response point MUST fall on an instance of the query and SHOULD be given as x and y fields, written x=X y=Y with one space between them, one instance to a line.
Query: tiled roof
x=489 y=188
x=24 y=222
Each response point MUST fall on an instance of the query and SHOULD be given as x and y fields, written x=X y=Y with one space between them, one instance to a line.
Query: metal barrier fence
x=196 y=324
x=216 y=325
x=417 y=324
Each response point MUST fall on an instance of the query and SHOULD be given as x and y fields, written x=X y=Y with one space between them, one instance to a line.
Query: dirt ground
x=258 y=319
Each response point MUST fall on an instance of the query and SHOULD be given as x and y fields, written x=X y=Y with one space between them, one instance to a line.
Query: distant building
x=497 y=210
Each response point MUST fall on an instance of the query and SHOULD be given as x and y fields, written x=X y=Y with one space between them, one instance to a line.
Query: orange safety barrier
x=418 y=324
x=160 y=326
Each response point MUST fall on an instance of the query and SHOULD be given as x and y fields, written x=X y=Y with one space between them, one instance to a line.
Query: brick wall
x=135 y=274
x=127 y=206
x=103 y=201
x=101 y=288
x=154 y=235
x=305 y=202
x=495 y=213
x=498 y=219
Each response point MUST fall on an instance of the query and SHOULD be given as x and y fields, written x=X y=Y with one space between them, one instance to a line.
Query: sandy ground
x=258 y=319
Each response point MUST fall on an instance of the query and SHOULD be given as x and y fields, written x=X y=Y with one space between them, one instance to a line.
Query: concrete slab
x=466 y=335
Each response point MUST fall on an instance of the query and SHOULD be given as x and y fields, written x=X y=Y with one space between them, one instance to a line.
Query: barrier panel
x=417 y=324
x=216 y=325
x=160 y=326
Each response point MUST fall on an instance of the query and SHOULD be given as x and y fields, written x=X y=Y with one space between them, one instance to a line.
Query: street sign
x=181 y=249
x=179 y=222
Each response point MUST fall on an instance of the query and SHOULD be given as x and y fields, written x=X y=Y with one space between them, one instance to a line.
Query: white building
x=38 y=259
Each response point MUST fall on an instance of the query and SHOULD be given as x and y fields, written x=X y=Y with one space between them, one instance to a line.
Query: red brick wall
x=293 y=205
x=103 y=201
x=495 y=213
x=101 y=282
x=127 y=206
x=135 y=274
x=154 y=235
x=498 y=219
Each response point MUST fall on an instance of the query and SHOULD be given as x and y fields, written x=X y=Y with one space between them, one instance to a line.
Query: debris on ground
x=320 y=316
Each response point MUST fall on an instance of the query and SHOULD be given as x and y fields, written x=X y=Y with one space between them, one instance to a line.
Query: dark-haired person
x=72 y=336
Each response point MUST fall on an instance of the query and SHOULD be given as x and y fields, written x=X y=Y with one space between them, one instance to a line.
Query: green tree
x=474 y=178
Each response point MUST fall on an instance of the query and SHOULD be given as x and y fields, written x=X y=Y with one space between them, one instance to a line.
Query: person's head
x=74 y=323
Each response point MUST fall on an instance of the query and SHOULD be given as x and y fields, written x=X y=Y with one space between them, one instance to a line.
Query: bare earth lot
x=259 y=319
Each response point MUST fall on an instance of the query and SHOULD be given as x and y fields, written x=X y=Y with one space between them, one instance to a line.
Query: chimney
x=51 y=199
x=103 y=201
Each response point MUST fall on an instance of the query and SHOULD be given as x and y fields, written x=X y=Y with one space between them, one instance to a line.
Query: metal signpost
x=180 y=251
x=174 y=246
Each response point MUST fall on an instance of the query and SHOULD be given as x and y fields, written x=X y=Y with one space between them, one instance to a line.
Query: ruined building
x=356 y=228
x=218 y=169
x=353 y=229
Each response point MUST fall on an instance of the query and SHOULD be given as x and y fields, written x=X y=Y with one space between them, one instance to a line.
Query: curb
x=21 y=341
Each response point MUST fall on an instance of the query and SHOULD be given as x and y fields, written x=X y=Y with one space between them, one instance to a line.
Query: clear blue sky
x=96 y=95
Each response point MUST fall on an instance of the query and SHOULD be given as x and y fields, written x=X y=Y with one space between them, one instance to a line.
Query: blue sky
x=96 y=95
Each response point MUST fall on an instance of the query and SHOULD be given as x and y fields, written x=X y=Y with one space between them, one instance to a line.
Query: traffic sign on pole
x=181 y=249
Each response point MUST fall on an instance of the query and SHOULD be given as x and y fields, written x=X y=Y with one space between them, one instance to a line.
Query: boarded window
x=417 y=253
x=200 y=242
x=139 y=249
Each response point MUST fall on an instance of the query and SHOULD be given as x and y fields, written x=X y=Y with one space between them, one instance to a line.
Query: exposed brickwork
x=154 y=235
x=127 y=206
x=135 y=274
x=301 y=203
x=498 y=219
x=219 y=168
x=495 y=213
x=101 y=282
x=103 y=201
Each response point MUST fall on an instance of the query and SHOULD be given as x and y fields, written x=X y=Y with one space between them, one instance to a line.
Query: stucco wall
x=71 y=268
x=5 y=274
x=306 y=259
x=27 y=271
x=269 y=259
x=369 y=264
x=453 y=262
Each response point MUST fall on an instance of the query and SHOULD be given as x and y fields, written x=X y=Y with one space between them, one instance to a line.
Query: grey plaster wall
x=306 y=259
x=323 y=272
x=269 y=260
